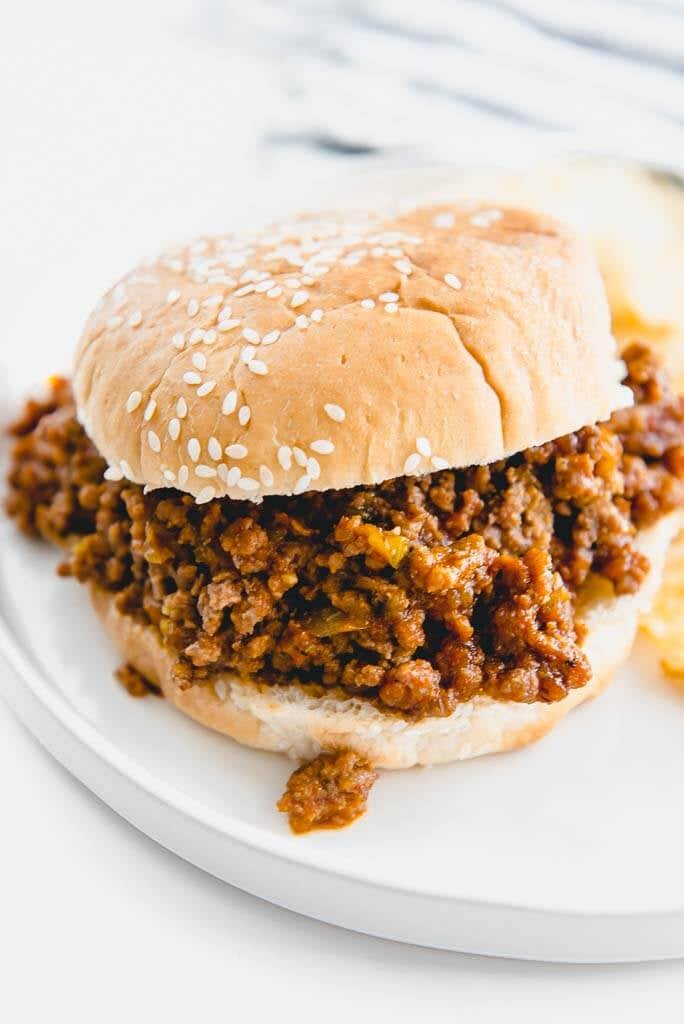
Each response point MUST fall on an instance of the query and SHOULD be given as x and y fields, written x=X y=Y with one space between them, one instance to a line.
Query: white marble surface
x=121 y=124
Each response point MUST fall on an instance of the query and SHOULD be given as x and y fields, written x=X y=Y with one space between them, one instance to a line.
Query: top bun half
x=340 y=350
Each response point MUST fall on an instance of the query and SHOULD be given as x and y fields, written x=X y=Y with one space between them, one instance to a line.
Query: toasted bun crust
x=282 y=718
x=355 y=349
x=634 y=220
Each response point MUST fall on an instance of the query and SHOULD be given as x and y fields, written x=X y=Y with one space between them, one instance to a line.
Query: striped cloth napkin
x=437 y=77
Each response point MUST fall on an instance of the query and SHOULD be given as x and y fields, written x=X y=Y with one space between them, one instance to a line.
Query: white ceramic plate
x=572 y=849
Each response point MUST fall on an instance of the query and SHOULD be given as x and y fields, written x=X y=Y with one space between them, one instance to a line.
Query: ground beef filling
x=329 y=792
x=417 y=594
x=134 y=683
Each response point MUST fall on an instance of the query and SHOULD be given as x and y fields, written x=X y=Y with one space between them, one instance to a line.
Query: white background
x=121 y=125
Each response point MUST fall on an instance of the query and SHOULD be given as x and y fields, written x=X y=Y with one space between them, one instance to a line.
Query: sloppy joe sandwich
x=379 y=485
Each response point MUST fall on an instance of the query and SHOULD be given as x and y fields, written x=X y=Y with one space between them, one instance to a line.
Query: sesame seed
x=317 y=316
x=205 y=495
x=270 y=338
x=225 y=313
x=222 y=471
x=411 y=464
x=236 y=451
x=285 y=457
x=181 y=408
x=183 y=474
x=169 y=475
x=258 y=366
x=300 y=457
x=133 y=401
x=126 y=469
x=485 y=218
x=229 y=403
x=153 y=441
x=190 y=377
x=196 y=335
x=119 y=292
x=423 y=447
x=453 y=281
x=264 y=286
x=199 y=360
x=248 y=353
x=174 y=429
x=220 y=689
x=322 y=447
x=247 y=483
x=227 y=325
x=244 y=415
x=444 y=220
x=206 y=388
x=388 y=297
x=299 y=298
x=302 y=484
x=249 y=334
x=113 y=473
x=438 y=462
x=367 y=303
x=206 y=472
x=194 y=449
x=150 y=410
x=115 y=321
x=173 y=295
x=293 y=282
x=178 y=341
x=391 y=307
x=313 y=468
x=302 y=322
x=212 y=300
x=135 y=319
x=307 y=279
x=403 y=266
x=210 y=336
x=193 y=307
x=335 y=412
x=266 y=476
x=234 y=474
x=245 y=290
x=214 y=449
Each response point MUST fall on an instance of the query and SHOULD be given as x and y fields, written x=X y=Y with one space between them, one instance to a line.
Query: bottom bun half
x=283 y=718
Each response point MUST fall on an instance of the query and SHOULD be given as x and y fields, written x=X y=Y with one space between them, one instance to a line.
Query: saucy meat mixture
x=416 y=594
x=329 y=792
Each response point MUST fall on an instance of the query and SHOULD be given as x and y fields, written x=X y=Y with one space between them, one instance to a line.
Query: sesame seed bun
x=283 y=718
x=346 y=350
x=634 y=220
